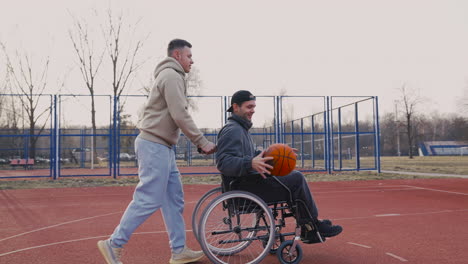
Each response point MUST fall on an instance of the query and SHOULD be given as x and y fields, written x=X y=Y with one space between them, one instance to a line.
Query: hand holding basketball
x=261 y=164
x=284 y=159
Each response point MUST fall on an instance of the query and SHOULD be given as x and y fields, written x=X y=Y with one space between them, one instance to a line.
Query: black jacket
x=235 y=148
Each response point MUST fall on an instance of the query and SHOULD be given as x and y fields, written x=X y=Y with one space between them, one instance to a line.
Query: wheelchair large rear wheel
x=237 y=227
x=201 y=205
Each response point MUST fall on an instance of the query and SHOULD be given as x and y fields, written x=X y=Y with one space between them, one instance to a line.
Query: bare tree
x=288 y=109
x=147 y=86
x=9 y=109
x=464 y=101
x=31 y=86
x=388 y=138
x=3 y=88
x=194 y=87
x=89 y=62
x=409 y=100
x=123 y=57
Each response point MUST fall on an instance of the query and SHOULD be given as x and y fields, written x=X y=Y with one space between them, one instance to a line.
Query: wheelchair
x=237 y=226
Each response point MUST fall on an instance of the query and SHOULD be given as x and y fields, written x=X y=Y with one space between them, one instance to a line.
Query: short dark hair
x=177 y=44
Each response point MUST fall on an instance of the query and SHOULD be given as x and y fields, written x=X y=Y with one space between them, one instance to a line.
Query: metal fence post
x=55 y=140
x=356 y=130
x=377 y=134
x=328 y=137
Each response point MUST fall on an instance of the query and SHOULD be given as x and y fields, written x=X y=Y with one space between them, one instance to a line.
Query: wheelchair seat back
x=267 y=190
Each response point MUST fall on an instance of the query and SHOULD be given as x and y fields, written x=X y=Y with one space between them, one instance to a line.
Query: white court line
x=52 y=226
x=423 y=213
x=51 y=244
x=76 y=240
x=375 y=190
x=359 y=245
x=397 y=257
x=383 y=215
x=360 y=187
x=436 y=190
x=427 y=174
x=387 y=253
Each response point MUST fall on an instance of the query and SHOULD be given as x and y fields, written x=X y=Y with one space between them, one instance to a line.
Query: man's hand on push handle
x=209 y=148
x=259 y=164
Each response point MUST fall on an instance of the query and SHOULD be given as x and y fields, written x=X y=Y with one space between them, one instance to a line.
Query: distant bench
x=25 y=163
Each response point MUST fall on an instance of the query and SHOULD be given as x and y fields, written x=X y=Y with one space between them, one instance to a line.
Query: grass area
x=430 y=164
x=444 y=165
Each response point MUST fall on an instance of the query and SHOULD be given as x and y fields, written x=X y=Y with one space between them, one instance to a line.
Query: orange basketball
x=284 y=159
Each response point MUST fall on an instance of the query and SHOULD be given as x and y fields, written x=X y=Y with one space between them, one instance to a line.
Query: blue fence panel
x=86 y=150
x=354 y=133
x=330 y=133
x=26 y=135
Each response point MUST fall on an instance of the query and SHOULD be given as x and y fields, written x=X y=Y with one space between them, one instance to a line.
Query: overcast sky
x=354 y=48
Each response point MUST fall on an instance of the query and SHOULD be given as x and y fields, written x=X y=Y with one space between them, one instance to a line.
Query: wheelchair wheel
x=200 y=206
x=287 y=255
x=236 y=227
x=276 y=244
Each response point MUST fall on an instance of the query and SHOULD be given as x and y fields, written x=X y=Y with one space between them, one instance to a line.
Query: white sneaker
x=111 y=255
x=186 y=256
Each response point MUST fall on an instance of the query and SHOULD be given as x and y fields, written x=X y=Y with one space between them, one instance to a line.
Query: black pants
x=270 y=190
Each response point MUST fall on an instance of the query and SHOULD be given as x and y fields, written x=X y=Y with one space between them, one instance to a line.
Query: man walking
x=164 y=115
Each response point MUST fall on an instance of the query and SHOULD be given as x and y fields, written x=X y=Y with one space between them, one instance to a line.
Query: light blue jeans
x=159 y=187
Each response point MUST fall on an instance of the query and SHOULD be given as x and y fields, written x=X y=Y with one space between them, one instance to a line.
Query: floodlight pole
x=377 y=132
x=397 y=129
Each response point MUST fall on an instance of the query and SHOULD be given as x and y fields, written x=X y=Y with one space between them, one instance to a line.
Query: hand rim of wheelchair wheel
x=260 y=208
x=198 y=209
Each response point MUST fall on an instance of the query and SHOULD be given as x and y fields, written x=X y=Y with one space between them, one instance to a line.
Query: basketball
x=284 y=159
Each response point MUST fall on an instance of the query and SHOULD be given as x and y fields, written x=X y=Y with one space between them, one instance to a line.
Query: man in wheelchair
x=238 y=162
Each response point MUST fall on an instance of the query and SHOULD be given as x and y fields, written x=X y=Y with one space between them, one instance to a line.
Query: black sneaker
x=328 y=230
x=326 y=222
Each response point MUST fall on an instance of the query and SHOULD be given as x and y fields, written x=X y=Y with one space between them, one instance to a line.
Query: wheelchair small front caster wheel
x=276 y=244
x=289 y=255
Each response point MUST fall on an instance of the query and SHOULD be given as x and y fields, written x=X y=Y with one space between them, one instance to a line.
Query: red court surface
x=395 y=221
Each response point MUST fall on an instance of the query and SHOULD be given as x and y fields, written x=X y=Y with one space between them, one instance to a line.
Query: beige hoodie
x=166 y=110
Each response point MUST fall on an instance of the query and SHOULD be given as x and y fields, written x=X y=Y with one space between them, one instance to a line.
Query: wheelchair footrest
x=313 y=240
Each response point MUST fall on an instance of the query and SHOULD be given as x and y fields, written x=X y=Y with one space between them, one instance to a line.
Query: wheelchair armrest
x=229 y=184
